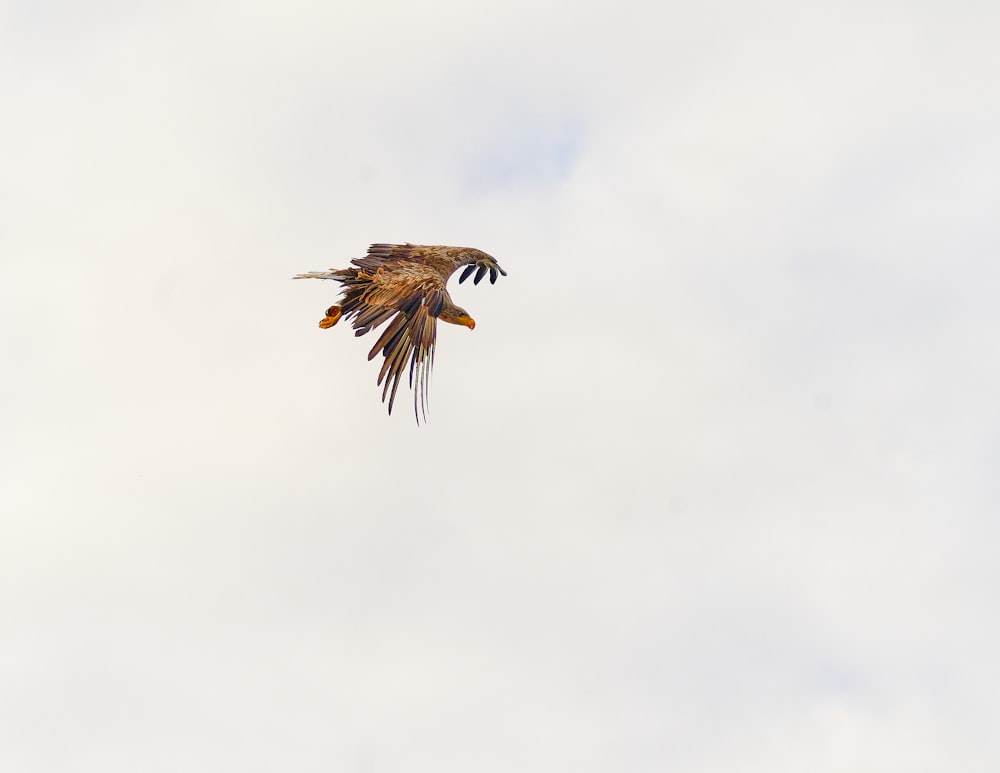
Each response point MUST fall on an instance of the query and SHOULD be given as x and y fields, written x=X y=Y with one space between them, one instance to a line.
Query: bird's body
x=405 y=283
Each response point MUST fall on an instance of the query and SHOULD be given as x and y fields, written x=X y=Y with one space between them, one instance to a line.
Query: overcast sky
x=712 y=486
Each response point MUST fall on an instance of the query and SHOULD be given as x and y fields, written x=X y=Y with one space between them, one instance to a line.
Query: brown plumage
x=407 y=284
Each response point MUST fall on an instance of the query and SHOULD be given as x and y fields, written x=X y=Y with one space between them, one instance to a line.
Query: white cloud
x=710 y=486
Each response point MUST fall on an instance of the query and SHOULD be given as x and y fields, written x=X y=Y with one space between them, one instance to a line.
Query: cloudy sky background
x=712 y=486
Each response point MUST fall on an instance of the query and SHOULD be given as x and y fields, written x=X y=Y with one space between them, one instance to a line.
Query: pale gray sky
x=712 y=486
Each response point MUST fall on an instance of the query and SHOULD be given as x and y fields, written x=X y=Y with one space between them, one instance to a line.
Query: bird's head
x=457 y=316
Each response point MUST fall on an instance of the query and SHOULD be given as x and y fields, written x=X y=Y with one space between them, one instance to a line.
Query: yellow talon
x=331 y=318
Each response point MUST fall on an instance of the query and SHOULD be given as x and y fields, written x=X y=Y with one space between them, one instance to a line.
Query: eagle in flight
x=405 y=283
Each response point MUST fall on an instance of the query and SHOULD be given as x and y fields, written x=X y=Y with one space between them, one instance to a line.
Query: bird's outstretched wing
x=408 y=343
x=484 y=265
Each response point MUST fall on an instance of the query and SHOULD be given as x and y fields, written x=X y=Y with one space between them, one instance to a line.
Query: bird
x=406 y=286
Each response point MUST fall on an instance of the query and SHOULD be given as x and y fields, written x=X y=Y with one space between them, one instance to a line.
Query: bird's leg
x=331 y=318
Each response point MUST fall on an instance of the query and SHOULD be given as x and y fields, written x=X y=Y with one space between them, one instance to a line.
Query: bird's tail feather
x=317 y=275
